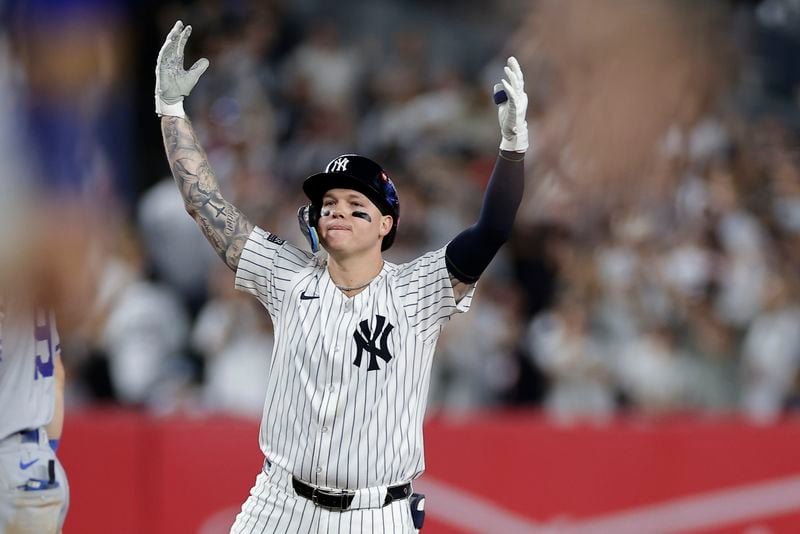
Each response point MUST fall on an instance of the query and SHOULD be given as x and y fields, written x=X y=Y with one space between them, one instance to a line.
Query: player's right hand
x=172 y=81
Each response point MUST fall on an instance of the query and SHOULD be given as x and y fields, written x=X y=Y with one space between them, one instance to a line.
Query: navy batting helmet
x=351 y=171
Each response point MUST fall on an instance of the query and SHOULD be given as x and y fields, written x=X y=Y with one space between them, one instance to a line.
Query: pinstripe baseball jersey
x=349 y=376
x=28 y=343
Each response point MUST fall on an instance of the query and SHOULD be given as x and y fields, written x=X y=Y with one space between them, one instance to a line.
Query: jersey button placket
x=328 y=413
x=333 y=390
x=324 y=441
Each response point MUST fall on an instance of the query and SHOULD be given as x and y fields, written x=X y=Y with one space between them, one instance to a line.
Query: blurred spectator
x=475 y=362
x=771 y=352
x=235 y=341
x=141 y=327
x=578 y=366
x=177 y=251
x=654 y=373
x=325 y=68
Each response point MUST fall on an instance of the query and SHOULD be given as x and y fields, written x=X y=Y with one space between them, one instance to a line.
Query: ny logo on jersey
x=367 y=340
x=338 y=165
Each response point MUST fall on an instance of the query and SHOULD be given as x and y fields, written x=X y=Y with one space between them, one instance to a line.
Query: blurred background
x=650 y=292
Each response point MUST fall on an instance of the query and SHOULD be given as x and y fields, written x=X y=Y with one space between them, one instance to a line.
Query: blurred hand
x=172 y=81
x=511 y=112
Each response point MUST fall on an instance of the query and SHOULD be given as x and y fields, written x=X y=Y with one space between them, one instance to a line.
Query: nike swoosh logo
x=303 y=296
x=24 y=466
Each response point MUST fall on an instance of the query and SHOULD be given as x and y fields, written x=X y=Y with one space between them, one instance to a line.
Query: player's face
x=350 y=223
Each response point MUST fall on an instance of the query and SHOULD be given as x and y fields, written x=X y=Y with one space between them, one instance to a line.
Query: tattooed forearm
x=223 y=225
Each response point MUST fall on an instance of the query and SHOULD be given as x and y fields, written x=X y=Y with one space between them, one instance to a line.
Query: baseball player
x=354 y=334
x=34 y=495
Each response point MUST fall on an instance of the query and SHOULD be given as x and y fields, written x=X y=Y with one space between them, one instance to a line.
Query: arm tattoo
x=223 y=225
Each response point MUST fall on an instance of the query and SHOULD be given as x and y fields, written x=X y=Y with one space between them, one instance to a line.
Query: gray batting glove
x=172 y=81
x=512 y=106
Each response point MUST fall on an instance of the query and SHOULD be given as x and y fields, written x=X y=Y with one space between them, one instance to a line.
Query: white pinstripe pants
x=273 y=507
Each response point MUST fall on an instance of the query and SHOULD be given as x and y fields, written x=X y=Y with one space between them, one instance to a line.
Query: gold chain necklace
x=345 y=288
x=354 y=288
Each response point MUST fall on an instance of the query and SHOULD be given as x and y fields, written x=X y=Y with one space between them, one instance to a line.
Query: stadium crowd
x=683 y=295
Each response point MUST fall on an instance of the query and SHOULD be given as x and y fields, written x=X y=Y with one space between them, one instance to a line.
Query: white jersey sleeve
x=267 y=267
x=425 y=289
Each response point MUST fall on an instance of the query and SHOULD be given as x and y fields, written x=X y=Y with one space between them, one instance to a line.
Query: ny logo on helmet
x=367 y=340
x=339 y=165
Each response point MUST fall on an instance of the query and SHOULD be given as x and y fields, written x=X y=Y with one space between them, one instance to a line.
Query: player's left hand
x=512 y=108
x=172 y=81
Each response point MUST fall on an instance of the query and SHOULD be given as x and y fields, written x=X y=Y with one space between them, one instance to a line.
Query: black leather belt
x=341 y=500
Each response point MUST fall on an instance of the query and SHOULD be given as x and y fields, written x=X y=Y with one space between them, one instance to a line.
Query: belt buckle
x=346 y=499
x=341 y=496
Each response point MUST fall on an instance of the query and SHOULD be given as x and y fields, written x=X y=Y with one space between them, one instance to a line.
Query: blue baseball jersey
x=29 y=343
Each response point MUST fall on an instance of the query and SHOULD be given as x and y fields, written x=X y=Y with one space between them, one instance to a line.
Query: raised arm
x=470 y=252
x=223 y=225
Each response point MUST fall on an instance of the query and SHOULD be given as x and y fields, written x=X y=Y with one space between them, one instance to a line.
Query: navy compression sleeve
x=471 y=251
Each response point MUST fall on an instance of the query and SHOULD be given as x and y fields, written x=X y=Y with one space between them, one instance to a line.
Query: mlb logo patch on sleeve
x=275 y=239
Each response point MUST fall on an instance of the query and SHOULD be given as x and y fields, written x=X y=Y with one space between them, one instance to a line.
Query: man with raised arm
x=354 y=334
